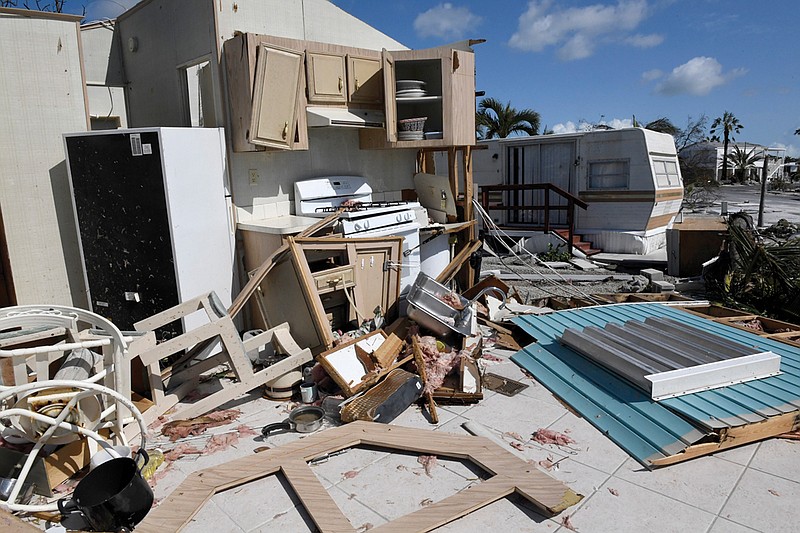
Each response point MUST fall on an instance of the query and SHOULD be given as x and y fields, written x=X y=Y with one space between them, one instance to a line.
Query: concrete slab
x=746 y=489
x=652 y=274
x=705 y=482
x=764 y=502
x=583 y=264
x=633 y=509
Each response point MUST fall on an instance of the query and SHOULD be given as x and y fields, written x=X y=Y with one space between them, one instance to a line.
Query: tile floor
x=753 y=488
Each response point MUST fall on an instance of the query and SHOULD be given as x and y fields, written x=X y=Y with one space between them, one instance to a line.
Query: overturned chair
x=203 y=348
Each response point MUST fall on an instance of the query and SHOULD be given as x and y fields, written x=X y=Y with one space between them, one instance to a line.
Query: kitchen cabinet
x=364 y=80
x=277 y=120
x=266 y=94
x=326 y=77
x=339 y=79
x=448 y=102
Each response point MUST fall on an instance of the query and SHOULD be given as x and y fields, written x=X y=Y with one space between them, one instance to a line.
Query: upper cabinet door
x=275 y=98
x=326 y=77
x=387 y=65
x=364 y=80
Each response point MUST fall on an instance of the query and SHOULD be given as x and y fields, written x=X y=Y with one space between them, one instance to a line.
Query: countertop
x=283 y=225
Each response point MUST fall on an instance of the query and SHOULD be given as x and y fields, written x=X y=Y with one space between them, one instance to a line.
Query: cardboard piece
x=436 y=196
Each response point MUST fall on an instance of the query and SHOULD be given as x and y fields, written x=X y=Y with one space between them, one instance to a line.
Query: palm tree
x=743 y=160
x=663 y=125
x=494 y=119
x=729 y=124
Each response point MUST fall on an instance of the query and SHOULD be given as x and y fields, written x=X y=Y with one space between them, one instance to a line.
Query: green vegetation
x=495 y=119
x=728 y=124
x=743 y=160
x=554 y=254
x=756 y=273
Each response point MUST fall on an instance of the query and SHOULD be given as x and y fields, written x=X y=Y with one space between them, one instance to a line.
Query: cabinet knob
x=357 y=84
x=341 y=84
x=285 y=130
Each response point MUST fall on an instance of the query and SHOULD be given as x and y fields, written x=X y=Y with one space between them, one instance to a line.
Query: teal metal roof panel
x=661 y=426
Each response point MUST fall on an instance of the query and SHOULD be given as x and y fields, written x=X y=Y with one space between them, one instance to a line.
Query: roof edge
x=31 y=13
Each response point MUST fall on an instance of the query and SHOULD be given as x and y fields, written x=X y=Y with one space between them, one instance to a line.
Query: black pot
x=112 y=497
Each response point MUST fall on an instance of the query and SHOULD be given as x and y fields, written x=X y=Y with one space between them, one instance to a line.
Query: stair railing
x=572 y=202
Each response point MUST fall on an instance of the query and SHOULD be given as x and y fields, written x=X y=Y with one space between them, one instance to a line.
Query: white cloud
x=572 y=127
x=652 y=75
x=791 y=149
x=107 y=9
x=645 y=41
x=698 y=76
x=446 y=21
x=569 y=127
x=577 y=31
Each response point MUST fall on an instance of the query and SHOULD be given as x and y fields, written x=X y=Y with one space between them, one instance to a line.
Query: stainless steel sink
x=427 y=309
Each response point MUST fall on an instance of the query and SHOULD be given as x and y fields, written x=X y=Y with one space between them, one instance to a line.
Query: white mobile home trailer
x=630 y=179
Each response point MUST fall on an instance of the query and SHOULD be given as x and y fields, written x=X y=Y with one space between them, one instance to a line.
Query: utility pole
x=763 y=190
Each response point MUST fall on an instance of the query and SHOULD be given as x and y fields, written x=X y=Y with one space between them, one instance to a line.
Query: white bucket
x=106 y=454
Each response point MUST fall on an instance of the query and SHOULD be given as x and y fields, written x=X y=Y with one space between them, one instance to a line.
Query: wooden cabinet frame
x=451 y=102
x=277 y=120
x=300 y=302
x=326 y=78
x=240 y=55
x=364 y=80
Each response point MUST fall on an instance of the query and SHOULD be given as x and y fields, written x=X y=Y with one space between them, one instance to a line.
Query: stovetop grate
x=359 y=206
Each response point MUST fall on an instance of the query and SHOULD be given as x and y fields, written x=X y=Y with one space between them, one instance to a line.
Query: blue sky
x=605 y=61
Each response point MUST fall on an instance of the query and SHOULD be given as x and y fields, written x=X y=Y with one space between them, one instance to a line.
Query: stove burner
x=359 y=206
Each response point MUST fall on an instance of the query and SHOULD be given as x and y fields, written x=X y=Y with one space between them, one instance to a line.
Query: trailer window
x=667 y=173
x=609 y=174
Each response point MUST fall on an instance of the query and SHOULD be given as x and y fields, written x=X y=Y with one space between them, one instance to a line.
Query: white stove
x=362 y=217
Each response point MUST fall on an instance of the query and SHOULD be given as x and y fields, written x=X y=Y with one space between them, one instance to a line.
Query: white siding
x=102 y=62
x=41 y=97
x=311 y=20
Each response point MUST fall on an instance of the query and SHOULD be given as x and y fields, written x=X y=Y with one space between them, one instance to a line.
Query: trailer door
x=545 y=162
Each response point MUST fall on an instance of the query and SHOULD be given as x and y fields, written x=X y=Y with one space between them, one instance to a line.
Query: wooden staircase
x=583 y=246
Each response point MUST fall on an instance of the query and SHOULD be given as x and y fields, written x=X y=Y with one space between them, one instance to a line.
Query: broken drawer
x=334 y=279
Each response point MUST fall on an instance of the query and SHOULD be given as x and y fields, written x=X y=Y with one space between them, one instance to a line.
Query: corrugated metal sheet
x=666 y=357
x=645 y=428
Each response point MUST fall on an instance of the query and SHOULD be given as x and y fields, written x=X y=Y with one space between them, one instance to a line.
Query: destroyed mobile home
x=666 y=378
x=314 y=287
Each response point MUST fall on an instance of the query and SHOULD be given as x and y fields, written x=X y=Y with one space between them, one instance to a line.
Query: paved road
x=777 y=205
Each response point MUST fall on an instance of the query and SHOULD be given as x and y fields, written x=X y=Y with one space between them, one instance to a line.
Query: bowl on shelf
x=408 y=85
x=411 y=124
x=410 y=136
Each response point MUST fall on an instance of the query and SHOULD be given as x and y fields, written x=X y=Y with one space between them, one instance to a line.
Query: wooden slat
x=451 y=508
x=737 y=436
x=458 y=261
x=179 y=507
x=316 y=498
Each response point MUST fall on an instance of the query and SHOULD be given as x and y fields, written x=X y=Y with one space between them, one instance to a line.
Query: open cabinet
x=446 y=98
x=266 y=91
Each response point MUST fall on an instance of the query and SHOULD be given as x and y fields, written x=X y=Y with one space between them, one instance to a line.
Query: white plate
x=411 y=93
x=409 y=84
x=434 y=135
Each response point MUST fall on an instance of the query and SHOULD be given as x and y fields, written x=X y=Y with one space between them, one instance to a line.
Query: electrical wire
x=495 y=229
